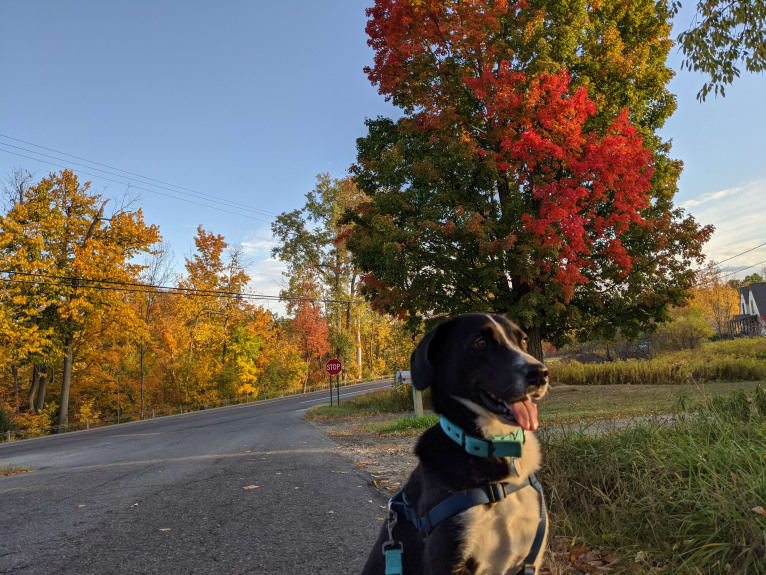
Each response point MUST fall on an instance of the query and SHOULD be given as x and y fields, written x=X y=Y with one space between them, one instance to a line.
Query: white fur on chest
x=498 y=537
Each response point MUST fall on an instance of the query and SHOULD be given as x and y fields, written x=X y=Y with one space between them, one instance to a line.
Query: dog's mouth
x=520 y=411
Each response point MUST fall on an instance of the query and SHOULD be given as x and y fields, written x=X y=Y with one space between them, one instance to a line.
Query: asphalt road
x=168 y=496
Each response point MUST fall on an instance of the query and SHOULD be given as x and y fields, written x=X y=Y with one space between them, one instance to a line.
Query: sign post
x=334 y=367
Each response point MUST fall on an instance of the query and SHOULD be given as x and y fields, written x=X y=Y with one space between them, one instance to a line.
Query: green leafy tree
x=724 y=35
x=752 y=279
x=312 y=243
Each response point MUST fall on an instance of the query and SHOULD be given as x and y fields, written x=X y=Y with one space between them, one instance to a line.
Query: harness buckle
x=495 y=492
x=393 y=558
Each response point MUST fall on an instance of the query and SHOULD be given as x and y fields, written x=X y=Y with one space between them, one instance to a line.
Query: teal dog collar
x=495 y=446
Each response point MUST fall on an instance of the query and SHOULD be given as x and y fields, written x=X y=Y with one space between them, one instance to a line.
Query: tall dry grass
x=735 y=360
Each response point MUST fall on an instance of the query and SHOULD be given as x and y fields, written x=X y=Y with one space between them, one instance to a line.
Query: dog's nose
x=537 y=375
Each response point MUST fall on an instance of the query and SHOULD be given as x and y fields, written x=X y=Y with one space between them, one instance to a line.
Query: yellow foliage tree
x=56 y=238
x=716 y=299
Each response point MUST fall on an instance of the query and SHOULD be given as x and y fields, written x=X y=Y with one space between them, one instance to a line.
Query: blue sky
x=248 y=100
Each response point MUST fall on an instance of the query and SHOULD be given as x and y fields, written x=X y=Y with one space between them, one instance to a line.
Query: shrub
x=7 y=422
x=687 y=331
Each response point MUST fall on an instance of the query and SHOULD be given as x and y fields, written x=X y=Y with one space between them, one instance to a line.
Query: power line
x=129 y=184
x=136 y=287
x=743 y=269
x=133 y=185
x=201 y=195
x=742 y=253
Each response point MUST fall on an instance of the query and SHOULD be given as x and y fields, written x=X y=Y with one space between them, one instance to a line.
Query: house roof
x=759 y=294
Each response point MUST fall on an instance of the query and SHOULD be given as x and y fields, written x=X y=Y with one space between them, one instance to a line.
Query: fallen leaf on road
x=247 y=487
x=380 y=519
x=375 y=483
x=134 y=505
x=164 y=528
x=759 y=510
x=369 y=501
x=80 y=506
x=331 y=512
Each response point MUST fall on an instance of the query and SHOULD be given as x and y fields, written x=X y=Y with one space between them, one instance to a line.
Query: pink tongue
x=525 y=413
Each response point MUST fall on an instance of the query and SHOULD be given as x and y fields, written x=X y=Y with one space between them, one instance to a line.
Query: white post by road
x=405 y=378
x=417 y=398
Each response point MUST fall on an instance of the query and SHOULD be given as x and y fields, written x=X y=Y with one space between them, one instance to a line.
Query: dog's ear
x=421 y=360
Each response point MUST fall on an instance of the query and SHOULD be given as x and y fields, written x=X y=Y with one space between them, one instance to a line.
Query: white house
x=752 y=310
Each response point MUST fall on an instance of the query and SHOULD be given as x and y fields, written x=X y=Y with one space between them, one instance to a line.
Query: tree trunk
x=66 y=381
x=33 y=388
x=44 y=381
x=535 y=343
x=141 y=364
x=359 y=350
x=306 y=380
x=15 y=375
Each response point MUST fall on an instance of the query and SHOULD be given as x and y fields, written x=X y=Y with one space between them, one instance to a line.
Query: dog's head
x=481 y=359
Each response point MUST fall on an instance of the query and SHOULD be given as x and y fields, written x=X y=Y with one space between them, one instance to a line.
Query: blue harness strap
x=489 y=493
x=537 y=543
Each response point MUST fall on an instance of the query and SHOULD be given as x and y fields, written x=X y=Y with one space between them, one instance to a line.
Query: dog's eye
x=480 y=343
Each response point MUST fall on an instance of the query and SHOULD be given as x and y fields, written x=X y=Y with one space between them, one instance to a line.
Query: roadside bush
x=7 y=422
x=684 y=493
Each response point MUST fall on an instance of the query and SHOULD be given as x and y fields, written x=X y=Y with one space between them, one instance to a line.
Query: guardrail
x=166 y=411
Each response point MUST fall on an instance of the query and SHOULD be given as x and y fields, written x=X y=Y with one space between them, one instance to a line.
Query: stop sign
x=333 y=367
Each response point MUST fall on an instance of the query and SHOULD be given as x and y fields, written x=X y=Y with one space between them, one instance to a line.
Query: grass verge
x=682 y=498
x=404 y=426
x=13 y=470
x=376 y=403
x=564 y=404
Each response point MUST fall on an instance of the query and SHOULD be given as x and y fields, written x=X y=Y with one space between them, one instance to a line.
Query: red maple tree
x=502 y=165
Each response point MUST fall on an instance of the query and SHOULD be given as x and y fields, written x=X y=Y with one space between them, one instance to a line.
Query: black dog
x=472 y=505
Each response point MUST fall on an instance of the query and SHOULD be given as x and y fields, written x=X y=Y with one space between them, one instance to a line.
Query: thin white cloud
x=739 y=217
x=265 y=272
x=703 y=199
